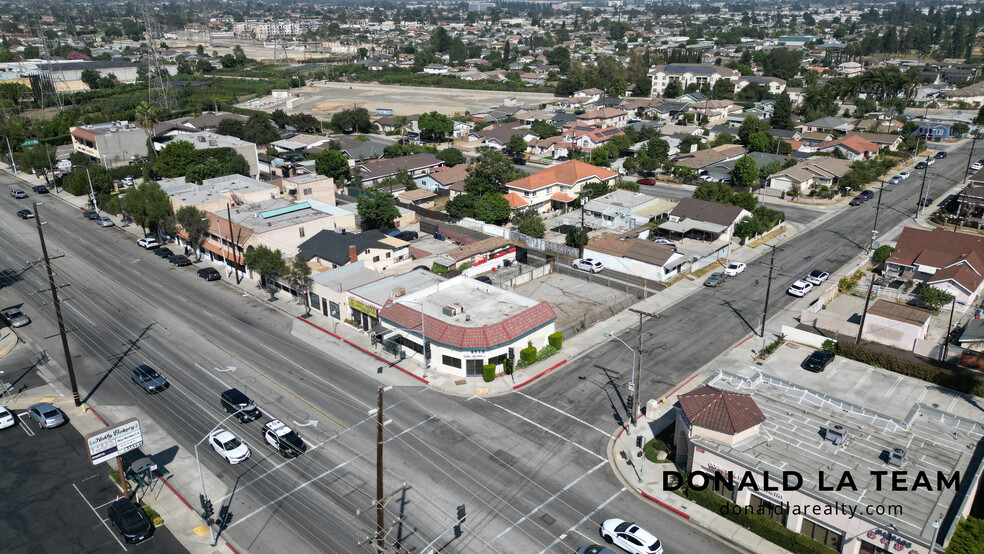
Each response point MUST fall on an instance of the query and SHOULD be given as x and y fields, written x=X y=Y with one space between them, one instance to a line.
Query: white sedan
x=800 y=288
x=734 y=268
x=976 y=166
x=630 y=537
x=816 y=277
x=7 y=418
x=904 y=174
x=228 y=446
x=587 y=264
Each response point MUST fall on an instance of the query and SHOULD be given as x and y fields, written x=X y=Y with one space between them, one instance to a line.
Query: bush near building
x=962 y=380
x=556 y=340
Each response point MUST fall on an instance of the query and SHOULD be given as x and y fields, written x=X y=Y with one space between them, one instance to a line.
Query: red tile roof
x=561 y=197
x=515 y=200
x=567 y=173
x=852 y=142
x=472 y=337
x=728 y=412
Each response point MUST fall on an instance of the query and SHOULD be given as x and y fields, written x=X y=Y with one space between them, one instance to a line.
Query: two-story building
x=556 y=187
x=111 y=144
x=686 y=74
x=332 y=249
x=605 y=117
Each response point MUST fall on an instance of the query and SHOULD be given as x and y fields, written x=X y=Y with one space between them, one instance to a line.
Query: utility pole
x=637 y=375
x=874 y=228
x=922 y=186
x=949 y=328
x=768 y=289
x=580 y=238
x=864 y=314
x=970 y=159
x=58 y=314
x=380 y=540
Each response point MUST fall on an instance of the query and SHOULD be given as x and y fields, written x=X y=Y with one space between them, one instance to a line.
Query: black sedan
x=209 y=274
x=164 y=252
x=90 y=214
x=925 y=201
x=25 y=214
x=179 y=260
x=818 y=361
x=131 y=520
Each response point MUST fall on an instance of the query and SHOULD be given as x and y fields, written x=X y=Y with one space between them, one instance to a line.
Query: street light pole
x=95 y=205
x=206 y=503
x=631 y=381
x=936 y=530
x=874 y=228
x=13 y=163
x=970 y=159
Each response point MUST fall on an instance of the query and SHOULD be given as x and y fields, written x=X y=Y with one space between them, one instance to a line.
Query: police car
x=283 y=438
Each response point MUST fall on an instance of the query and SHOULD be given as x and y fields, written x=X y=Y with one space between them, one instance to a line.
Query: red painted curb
x=620 y=432
x=681 y=386
x=181 y=498
x=99 y=417
x=680 y=513
x=538 y=375
x=352 y=344
x=743 y=342
x=229 y=546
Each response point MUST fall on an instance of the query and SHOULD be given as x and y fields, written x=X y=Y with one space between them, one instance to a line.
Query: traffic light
x=639 y=442
x=207 y=511
x=512 y=353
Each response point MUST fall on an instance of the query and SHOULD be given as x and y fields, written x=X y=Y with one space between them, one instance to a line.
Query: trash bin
x=438 y=236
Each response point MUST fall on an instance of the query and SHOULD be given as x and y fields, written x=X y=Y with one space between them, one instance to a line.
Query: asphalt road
x=527 y=473
x=55 y=500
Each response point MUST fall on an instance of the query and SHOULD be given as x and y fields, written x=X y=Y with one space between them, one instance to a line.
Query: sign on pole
x=631 y=386
x=117 y=440
x=32 y=142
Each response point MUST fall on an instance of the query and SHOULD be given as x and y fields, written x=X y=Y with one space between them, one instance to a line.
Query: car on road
x=925 y=201
x=715 y=279
x=800 y=288
x=229 y=446
x=587 y=264
x=40 y=189
x=25 y=214
x=148 y=379
x=519 y=161
x=90 y=214
x=867 y=194
x=646 y=181
x=179 y=260
x=105 y=222
x=630 y=537
x=18 y=193
x=163 y=252
x=734 y=268
x=818 y=361
x=148 y=242
x=595 y=549
x=816 y=277
x=15 y=318
x=930 y=161
x=857 y=201
x=976 y=166
x=7 y=418
x=921 y=165
x=46 y=415
x=895 y=180
x=132 y=522
x=283 y=438
x=904 y=174
x=209 y=274
x=407 y=235
x=940 y=155
x=235 y=402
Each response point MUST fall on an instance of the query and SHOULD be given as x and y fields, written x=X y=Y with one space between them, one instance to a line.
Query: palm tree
x=147 y=116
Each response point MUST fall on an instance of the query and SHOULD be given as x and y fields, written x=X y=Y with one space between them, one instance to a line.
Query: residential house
x=972 y=94
x=556 y=187
x=111 y=144
x=497 y=136
x=590 y=138
x=700 y=160
x=687 y=74
x=436 y=69
x=721 y=171
x=392 y=123
x=422 y=198
x=624 y=210
x=814 y=138
x=374 y=171
x=478 y=254
x=931 y=130
x=714 y=112
x=636 y=256
x=952 y=262
x=442 y=178
x=828 y=124
x=605 y=117
x=702 y=220
x=852 y=147
x=810 y=174
x=882 y=140
x=333 y=249
x=773 y=85
x=309 y=186
x=849 y=69
x=692 y=98
x=897 y=325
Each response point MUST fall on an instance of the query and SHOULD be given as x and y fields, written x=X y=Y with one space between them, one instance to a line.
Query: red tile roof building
x=950 y=261
x=555 y=187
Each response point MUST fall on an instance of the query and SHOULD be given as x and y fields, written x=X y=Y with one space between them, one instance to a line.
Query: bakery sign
x=115 y=441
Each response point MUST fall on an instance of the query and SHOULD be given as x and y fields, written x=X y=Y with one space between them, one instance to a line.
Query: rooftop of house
x=334 y=246
x=720 y=410
x=902 y=313
x=346 y=277
x=388 y=288
x=216 y=188
x=568 y=173
x=270 y=215
x=710 y=212
x=205 y=139
x=377 y=169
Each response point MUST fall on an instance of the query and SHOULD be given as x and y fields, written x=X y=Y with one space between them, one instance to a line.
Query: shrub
x=882 y=253
x=829 y=346
x=968 y=538
x=847 y=283
x=528 y=355
x=962 y=380
x=556 y=340
x=507 y=366
x=155 y=518
x=488 y=372
x=546 y=352
x=772 y=346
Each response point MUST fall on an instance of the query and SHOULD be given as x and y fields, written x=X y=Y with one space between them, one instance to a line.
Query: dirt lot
x=577 y=303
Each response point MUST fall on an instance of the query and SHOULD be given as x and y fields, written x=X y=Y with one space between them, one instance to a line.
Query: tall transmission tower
x=47 y=84
x=159 y=90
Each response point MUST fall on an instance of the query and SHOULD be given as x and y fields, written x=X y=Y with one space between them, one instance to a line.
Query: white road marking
x=585 y=518
x=332 y=385
x=554 y=433
x=549 y=500
x=72 y=306
x=101 y=520
x=209 y=373
x=556 y=409
x=27 y=429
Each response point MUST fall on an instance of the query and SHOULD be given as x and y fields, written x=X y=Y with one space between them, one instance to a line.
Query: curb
x=680 y=513
x=364 y=351
x=538 y=375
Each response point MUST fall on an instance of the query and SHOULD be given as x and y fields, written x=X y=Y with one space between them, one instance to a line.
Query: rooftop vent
x=399 y=291
x=836 y=434
x=201 y=139
x=449 y=311
x=896 y=457
x=213 y=143
x=467 y=317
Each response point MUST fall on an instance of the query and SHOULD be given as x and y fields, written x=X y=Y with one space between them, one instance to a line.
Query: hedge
x=962 y=380
x=528 y=355
x=546 y=352
x=488 y=372
x=770 y=530
x=968 y=538
x=556 y=340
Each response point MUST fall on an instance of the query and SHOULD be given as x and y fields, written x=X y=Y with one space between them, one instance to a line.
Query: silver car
x=46 y=415
x=105 y=222
x=148 y=378
x=15 y=318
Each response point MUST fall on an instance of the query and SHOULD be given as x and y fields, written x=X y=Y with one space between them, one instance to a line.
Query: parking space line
x=104 y=505
x=101 y=520
x=27 y=429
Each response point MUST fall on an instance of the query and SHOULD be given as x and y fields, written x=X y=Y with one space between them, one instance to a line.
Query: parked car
x=283 y=438
x=925 y=201
x=976 y=166
x=25 y=214
x=856 y=201
x=209 y=274
x=800 y=288
x=816 y=277
x=904 y=174
x=921 y=165
x=148 y=379
x=229 y=446
x=587 y=264
x=18 y=193
x=7 y=418
x=179 y=260
x=40 y=189
x=163 y=252
x=715 y=279
x=519 y=160
x=940 y=155
x=90 y=214
x=867 y=194
x=235 y=402
x=46 y=415
x=484 y=279
x=105 y=222
x=895 y=180
x=407 y=235
x=630 y=537
x=818 y=361
x=646 y=181
x=595 y=549
x=132 y=522
x=930 y=161
x=15 y=318
x=734 y=268
x=148 y=242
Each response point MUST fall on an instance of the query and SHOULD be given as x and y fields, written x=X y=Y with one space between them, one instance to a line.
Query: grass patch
x=771 y=347
x=155 y=518
x=115 y=476
x=713 y=266
x=764 y=239
x=663 y=441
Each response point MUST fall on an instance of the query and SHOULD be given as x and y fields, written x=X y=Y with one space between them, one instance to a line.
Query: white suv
x=800 y=288
x=587 y=264
x=148 y=242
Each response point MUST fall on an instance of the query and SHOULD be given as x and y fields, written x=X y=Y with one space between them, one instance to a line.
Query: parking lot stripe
x=27 y=429
x=103 y=521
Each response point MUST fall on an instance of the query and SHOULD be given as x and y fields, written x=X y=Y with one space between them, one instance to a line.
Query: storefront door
x=473 y=368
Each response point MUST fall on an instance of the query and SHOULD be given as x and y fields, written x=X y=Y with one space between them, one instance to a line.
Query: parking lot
x=577 y=303
x=48 y=477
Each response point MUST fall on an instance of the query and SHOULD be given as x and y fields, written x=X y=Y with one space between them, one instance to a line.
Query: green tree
x=937 y=298
x=882 y=253
x=714 y=192
x=543 y=129
x=133 y=204
x=90 y=77
x=332 y=163
x=749 y=126
x=260 y=130
x=377 y=210
x=769 y=169
x=268 y=263
x=658 y=149
x=208 y=169
x=561 y=57
x=195 y=224
x=489 y=174
x=354 y=120
x=451 y=157
x=435 y=126
x=747 y=227
x=576 y=237
x=493 y=208
x=781 y=63
x=979 y=118
x=175 y=158
x=204 y=66
x=461 y=206
x=759 y=141
x=530 y=223
x=516 y=145
x=231 y=127
x=298 y=274
x=673 y=90
x=782 y=113
x=961 y=128
x=36 y=158
x=722 y=139
x=594 y=189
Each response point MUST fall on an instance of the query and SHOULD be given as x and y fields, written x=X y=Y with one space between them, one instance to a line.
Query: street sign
x=631 y=386
x=109 y=443
x=32 y=142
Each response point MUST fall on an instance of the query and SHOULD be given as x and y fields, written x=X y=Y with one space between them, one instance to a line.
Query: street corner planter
x=556 y=340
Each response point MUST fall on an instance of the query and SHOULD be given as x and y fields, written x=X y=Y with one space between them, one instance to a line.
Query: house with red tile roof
x=953 y=262
x=589 y=138
x=464 y=324
x=853 y=147
x=556 y=187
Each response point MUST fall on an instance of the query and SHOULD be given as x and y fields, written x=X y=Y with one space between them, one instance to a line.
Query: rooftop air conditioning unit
x=467 y=317
x=450 y=311
x=896 y=457
x=213 y=143
x=201 y=139
x=836 y=434
x=398 y=292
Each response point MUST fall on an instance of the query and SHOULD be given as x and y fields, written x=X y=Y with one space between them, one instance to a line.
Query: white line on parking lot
x=549 y=500
x=577 y=419
x=101 y=520
x=27 y=429
x=554 y=433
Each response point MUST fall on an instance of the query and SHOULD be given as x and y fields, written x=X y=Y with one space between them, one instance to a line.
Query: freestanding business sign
x=117 y=440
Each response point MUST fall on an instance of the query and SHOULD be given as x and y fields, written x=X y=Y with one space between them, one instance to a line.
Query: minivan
x=234 y=401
